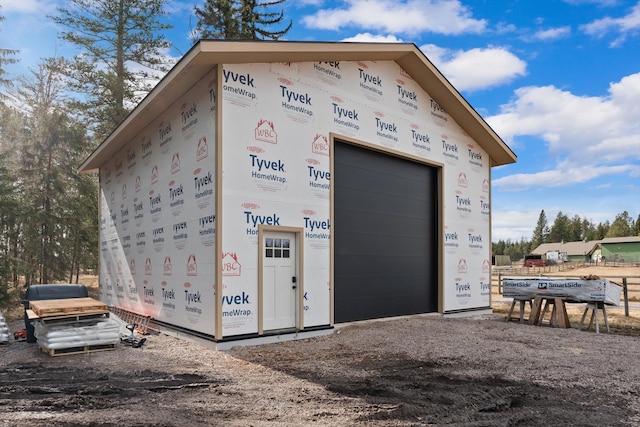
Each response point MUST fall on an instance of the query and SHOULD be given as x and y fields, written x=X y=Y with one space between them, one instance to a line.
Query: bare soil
x=423 y=370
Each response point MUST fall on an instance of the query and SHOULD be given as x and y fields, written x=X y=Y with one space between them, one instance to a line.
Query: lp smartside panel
x=385 y=224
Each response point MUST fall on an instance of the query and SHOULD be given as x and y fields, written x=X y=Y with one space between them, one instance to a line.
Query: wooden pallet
x=77 y=350
x=67 y=307
x=68 y=318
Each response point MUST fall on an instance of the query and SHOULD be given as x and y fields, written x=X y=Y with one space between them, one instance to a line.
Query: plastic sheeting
x=573 y=290
x=99 y=332
x=4 y=329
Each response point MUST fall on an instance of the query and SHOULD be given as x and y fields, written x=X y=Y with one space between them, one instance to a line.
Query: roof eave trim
x=407 y=55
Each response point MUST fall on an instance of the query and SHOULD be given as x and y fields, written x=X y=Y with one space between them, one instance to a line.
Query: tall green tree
x=515 y=250
x=239 y=20
x=218 y=19
x=122 y=55
x=10 y=218
x=601 y=230
x=497 y=248
x=541 y=231
x=41 y=237
x=576 y=229
x=588 y=230
x=621 y=226
x=43 y=147
x=7 y=56
x=560 y=230
x=9 y=211
x=256 y=19
x=15 y=127
x=636 y=227
x=82 y=240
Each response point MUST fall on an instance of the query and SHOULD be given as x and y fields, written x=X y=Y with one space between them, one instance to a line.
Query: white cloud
x=615 y=149
x=175 y=7
x=561 y=177
x=504 y=28
x=438 y=55
x=399 y=17
x=301 y=3
x=491 y=66
x=628 y=24
x=590 y=137
x=372 y=38
x=26 y=6
x=569 y=122
x=549 y=112
x=26 y=28
x=552 y=33
x=513 y=224
x=598 y=2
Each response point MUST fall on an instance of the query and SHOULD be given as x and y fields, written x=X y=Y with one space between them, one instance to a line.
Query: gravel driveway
x=414 y=371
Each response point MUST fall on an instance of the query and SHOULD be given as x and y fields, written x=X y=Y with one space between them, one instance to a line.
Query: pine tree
x=588 y=230
x=113 y=35
x=6 y=58
x=601 y=230
x=621 y=226
x=498 y=248
x=42 y=147
x=560 y=230
x=218 y=20
x=239 y=20
x=576 y=233
x=636 y=227
x=541 y=232
x=254 y=23
x=12 y=217
x=9 y=221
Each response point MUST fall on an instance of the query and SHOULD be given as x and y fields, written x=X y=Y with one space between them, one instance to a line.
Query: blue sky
x=558 y=80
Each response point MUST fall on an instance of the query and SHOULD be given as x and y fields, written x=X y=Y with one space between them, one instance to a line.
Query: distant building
x=567 y=251
x=500 y=260
x=621 y=249
x=611 y=249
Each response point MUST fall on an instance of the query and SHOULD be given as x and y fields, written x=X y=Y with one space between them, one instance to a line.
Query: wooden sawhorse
x=559 y=317
x=594 y=307
x=523 y=301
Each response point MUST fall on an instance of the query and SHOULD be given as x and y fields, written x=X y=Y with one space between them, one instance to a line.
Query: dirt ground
x=423 y=370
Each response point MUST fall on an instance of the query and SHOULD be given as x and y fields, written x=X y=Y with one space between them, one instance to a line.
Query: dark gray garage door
x=385 y=221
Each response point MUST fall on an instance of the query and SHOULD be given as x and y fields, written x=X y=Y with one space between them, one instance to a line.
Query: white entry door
x=280 y=281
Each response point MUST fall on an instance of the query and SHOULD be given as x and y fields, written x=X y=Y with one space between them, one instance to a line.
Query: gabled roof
x=206 y=53
x=629 y=239
x=570 y=248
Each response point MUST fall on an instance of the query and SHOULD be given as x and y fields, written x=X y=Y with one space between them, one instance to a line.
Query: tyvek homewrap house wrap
x=273 y=187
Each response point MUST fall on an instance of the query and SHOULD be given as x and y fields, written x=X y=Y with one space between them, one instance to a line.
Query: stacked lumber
x=571 y=290
x=74 y=325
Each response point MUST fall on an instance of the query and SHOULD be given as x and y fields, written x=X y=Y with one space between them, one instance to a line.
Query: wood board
x=67 y=307
x=77 y=350
x=68 y=318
